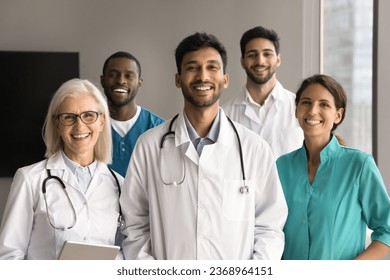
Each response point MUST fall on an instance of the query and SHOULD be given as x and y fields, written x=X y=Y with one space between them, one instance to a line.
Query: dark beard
x=113 y=102
x=256 y=80
x=198 y=104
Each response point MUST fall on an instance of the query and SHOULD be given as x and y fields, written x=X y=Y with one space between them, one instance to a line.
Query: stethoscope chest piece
x=121 y=223
x=244 y=190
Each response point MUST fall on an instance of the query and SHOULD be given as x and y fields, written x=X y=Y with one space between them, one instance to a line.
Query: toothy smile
x=202 y=88
x=313 y=122
x=120 y=90
x=259 y=69
x=80 y=136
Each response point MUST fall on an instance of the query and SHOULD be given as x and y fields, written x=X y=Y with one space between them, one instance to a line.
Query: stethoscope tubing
x=243 y=189
x=121 y=222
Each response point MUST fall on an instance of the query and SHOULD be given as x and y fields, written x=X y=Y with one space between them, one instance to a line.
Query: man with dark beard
x=263 y=105
x=121 y=79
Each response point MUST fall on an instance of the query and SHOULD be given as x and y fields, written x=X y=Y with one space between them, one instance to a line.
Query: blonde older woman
x=71 y=195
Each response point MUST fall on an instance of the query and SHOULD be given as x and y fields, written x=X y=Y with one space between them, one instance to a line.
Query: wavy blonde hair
x=74 y=87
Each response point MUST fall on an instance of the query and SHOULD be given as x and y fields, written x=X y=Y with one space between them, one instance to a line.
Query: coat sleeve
x=270 y=210
x=18 y=218
x=135 y=208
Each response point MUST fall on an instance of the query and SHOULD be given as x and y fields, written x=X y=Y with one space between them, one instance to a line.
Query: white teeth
x=203 y=88
x=120 y=90
x=257 y=69
x=313 y=122
x=79 y=136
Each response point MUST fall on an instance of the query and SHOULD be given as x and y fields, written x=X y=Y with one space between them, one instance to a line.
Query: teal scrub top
x=327 y=219
x=122 y=147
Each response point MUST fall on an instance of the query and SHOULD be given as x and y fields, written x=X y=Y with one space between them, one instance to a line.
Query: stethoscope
x=121 y=222
x=243 y=189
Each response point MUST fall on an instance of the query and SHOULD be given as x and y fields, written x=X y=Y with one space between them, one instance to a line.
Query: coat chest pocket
x=238 y=200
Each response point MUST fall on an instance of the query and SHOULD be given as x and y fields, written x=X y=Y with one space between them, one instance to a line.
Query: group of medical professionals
x=263 y=176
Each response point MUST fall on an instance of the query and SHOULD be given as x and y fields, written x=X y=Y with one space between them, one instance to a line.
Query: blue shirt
x=211 y=137
x=123 y=146
x=83 y=174
x=327 y=218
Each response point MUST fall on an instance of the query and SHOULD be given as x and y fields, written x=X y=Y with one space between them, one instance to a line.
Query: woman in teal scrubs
x=333 y=192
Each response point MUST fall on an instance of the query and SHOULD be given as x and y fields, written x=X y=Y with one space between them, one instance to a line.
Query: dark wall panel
x=27 y=82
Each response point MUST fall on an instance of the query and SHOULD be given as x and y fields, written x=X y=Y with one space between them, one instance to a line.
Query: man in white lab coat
x=263 y=105
x=199 y=186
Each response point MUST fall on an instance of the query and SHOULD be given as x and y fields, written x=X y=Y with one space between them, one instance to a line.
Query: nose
x=203 y=74
x=122 y=79
x=260 y=59
x=314 y=108
x=78 y=121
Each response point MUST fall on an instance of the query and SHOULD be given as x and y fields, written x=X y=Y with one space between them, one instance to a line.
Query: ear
x=225 y=80
x=102 y=121
x=177 y=80
x=278 y=60
x=242 y=63
x=140 y=82
x=339 y=117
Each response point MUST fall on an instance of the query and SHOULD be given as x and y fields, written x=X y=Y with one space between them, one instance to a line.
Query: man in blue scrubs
x=121 y=79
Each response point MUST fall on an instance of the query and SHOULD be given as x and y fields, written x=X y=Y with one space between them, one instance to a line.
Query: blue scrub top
x=327 y=219
x=123 y=146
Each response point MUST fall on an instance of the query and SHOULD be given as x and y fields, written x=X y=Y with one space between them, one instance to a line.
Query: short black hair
x=125 y=55
x=198 y=41
x=259 y=32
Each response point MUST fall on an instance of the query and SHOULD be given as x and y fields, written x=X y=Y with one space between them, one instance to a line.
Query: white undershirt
x=122 y=127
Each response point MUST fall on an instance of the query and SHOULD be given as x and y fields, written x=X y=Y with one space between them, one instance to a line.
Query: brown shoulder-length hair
x=334 y=87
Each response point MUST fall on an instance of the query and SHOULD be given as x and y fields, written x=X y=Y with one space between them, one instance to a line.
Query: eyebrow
x=321 y=100
x=118 y=71
x=263 y=50
x=208 y=61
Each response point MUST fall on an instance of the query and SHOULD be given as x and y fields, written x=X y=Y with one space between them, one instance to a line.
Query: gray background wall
x=151 y=29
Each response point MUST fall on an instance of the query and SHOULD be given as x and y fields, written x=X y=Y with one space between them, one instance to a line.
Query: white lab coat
x=206 y=217
x=25 y=230
x=280 y=128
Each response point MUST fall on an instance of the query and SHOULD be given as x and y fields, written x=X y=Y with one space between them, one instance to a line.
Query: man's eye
x=112 y=75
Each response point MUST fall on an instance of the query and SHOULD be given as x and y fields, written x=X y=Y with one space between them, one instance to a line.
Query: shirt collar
x=270 y=98
x=214 y=130
x=330 y=150
x=73 y=166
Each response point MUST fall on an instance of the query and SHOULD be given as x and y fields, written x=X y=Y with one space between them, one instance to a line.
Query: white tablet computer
x=73 y=250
